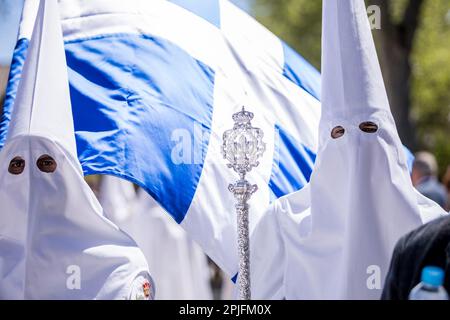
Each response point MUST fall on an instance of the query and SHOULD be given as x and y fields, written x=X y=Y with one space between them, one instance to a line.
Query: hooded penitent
x=55 y=242
x=334 y=238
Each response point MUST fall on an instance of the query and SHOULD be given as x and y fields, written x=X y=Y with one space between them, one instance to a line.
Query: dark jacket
x=428 y=245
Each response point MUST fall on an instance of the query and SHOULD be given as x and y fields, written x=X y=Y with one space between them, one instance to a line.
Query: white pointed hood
x=337 y=235
x=55 y=242
x=42 y=106
x=352 y=83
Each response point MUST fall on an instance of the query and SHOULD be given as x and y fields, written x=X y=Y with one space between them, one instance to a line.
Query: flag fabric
x=334 y=238
x=55 y=242
x=153 y=87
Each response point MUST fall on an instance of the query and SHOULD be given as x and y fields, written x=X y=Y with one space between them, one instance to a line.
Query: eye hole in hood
x=16 y=166
x=368 y=127
x=337 y=132
x=46 y=163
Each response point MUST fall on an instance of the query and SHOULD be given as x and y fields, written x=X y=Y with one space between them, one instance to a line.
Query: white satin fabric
x=177 y=264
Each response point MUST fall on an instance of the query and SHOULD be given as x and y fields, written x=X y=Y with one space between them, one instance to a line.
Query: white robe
x=177 y=264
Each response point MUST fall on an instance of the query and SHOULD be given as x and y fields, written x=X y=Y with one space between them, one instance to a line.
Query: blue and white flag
x=153 y=87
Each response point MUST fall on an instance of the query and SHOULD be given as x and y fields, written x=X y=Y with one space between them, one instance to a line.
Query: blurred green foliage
x=298 y=22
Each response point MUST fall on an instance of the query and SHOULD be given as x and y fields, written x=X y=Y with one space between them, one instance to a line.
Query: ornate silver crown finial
x=242 y=117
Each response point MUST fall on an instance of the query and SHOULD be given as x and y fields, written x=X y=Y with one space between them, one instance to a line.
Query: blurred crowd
x=425 y=179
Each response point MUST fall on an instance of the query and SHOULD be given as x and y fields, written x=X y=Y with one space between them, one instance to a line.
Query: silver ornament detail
x=242 y=148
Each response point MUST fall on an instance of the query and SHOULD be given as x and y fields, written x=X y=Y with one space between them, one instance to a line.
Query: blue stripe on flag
x=409 y=158
x=130 y=94
x=15 y=72
x=207 y=9
x=292 y=164
x=301 y=72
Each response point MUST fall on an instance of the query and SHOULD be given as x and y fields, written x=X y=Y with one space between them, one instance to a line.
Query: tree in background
x=4 y=10
x=414 y=51
x=3 y=79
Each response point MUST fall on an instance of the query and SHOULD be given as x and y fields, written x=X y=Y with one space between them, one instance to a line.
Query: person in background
x=424 y=178
x=428 y=245
x=446 y=182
